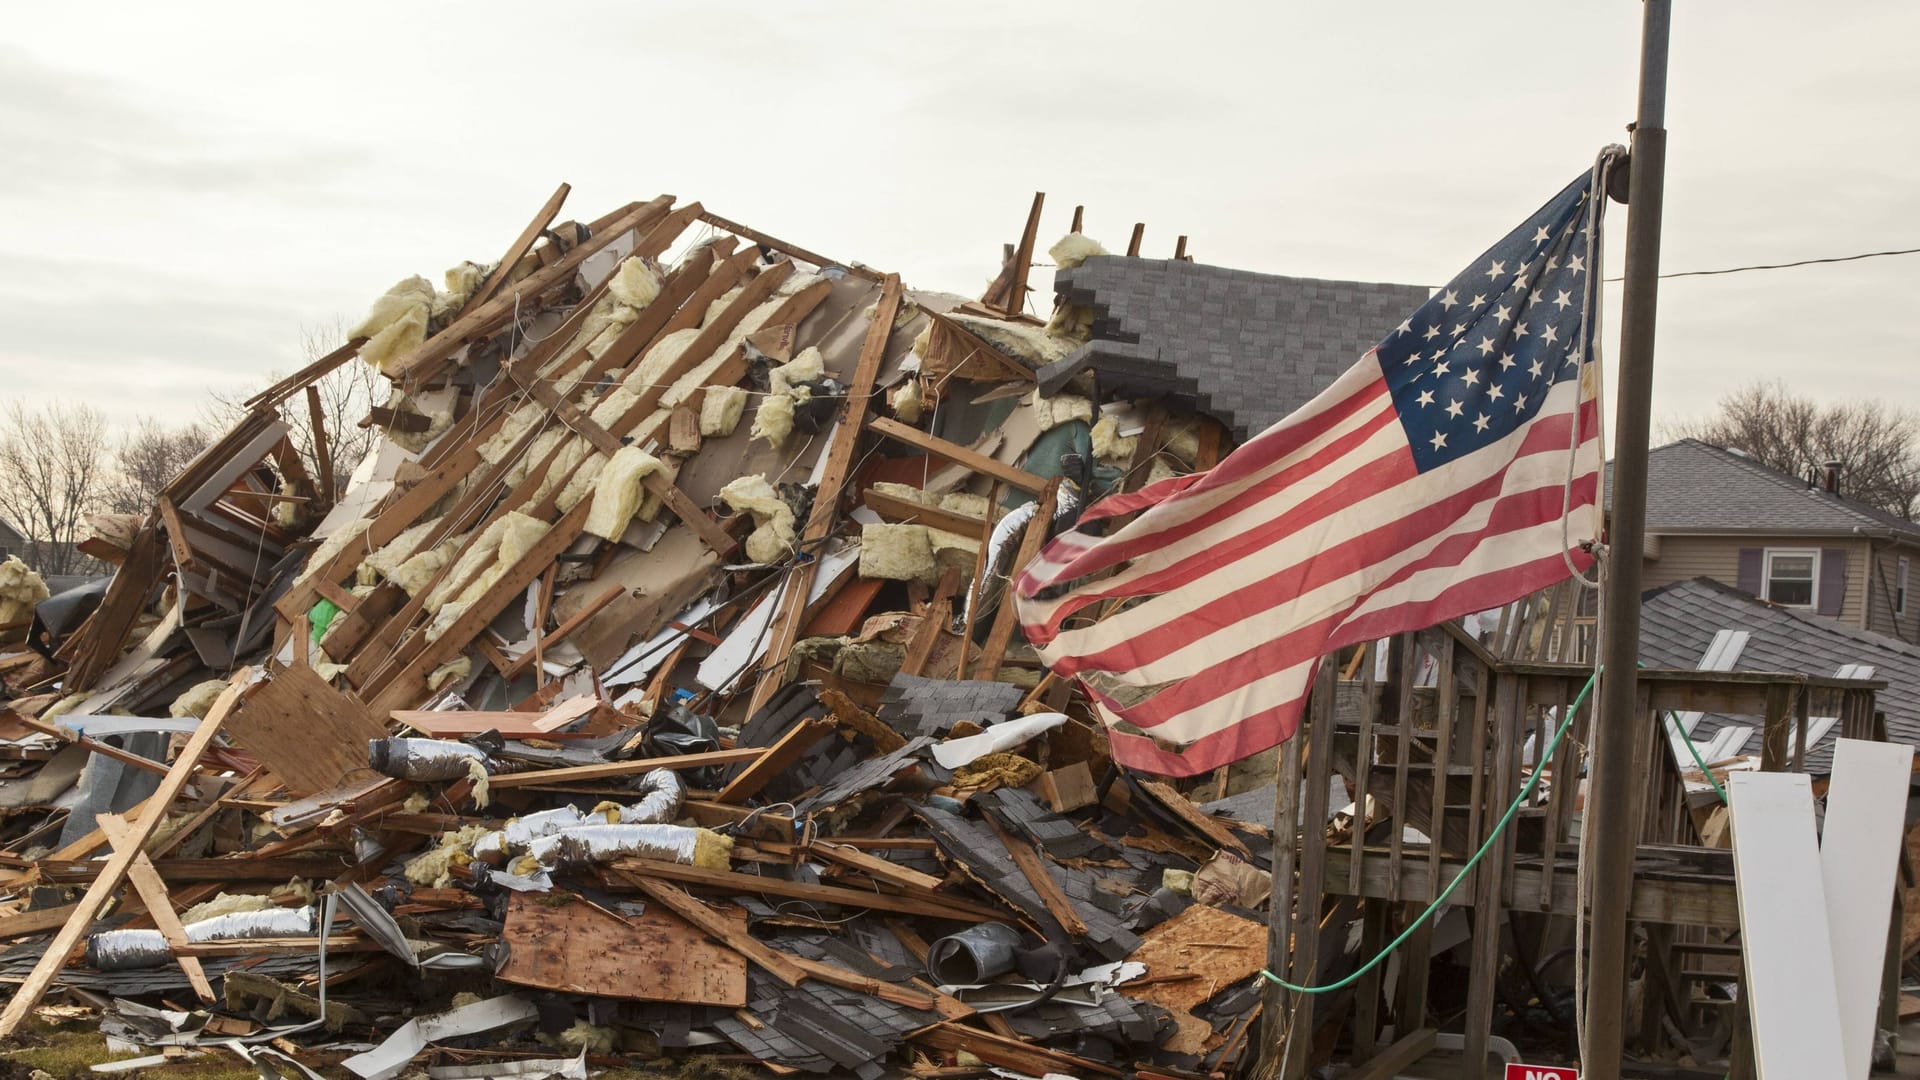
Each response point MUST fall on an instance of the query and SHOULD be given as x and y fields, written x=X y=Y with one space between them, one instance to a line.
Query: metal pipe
x=1618 y=723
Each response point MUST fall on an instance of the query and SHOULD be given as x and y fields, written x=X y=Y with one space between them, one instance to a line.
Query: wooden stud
x=1078 y=216
x=957 y=454
x=1180 y=250
x=933 y=623
x=733 y=883
x=577 y=774
x=1035 y=871
x=1023 y=257
x=1133 y=245
x=905 y=511
x=522 y=244
x=788 y=749
x=117 y=864
x=153 y=893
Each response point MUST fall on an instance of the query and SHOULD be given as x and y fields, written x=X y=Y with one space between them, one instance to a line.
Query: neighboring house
x=12 y=541
x=1246 y=348
x=1703 y=623
x=1720 y=514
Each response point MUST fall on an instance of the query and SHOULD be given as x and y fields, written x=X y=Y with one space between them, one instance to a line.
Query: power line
x=1787 y=265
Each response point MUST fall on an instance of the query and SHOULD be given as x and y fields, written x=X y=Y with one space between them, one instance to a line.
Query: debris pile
x=650 y=690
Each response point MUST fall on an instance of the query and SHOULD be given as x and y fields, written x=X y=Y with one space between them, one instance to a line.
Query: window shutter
x=1833 y=580
x=1749 y=580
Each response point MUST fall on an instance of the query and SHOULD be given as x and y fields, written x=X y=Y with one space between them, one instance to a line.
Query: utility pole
x=1617 y=722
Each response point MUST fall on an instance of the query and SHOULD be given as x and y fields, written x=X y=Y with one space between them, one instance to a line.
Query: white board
x=1859 y=858
x=1783 y=905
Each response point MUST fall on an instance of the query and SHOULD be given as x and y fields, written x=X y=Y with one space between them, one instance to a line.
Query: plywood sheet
x=1191 y=957
x=556 y=941
x=307 y=733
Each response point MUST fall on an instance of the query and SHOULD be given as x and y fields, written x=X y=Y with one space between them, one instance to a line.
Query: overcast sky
x=186 y=185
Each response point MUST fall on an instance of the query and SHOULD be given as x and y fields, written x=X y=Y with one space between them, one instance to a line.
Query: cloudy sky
x=187 y=185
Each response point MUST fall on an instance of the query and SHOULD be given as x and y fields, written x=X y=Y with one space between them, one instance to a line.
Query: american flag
x=1432 y=479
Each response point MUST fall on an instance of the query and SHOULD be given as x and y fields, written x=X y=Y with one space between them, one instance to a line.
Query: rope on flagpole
x=1526 y=791
x=1603 y=164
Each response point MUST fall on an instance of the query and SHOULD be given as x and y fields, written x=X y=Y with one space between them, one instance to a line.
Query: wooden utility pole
x=1618 y=720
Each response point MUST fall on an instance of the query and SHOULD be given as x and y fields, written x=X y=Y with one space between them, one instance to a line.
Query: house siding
x=1881 y=587
x=1718 y=557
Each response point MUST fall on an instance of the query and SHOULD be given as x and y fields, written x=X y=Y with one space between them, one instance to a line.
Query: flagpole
x=1617 y=725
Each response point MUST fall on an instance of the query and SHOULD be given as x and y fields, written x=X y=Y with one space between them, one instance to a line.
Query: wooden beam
x=732 y=882
x=1023 y=256
x=906 y=511
x=117 y=864
x=1395 y=1059
x=576 y=774
x=1079 y=215
x=1180 y=250
x=874 y=866
x=1139 y=231
x=477 y=319
x=797 y=741
x=721 y=929
x=791 y=608
x=520 y=246
x=776 y=244
x=933 y=623
x=957 y=454
x=1035 y=871
x=272 y=396
x=564 y=630
x=994 y=652
x=153 y=893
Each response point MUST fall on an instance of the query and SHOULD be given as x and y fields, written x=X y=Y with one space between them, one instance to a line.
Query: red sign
x=1541 y=1072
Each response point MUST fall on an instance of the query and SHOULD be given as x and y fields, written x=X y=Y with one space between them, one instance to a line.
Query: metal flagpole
x=1617 y=722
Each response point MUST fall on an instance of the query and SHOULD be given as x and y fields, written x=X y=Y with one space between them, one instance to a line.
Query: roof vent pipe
x=1832 y=476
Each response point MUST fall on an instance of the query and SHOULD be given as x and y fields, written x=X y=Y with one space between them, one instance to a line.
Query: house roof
x=1694 y=486
x=1678 y=623
x=10 y=536
x=1247 y=348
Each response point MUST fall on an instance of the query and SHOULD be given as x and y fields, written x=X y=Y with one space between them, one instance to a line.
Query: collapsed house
x=652 y=690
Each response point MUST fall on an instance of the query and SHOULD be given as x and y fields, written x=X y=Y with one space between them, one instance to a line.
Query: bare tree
x=53 y=465
x=147 y=459
x=1878 y=445
x=345 y=395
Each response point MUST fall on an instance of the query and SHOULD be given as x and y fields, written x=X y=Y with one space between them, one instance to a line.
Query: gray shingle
x=1694 y=486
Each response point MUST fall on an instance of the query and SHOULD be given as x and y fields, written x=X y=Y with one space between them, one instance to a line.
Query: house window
x=1900 y=588
x=1790 y=576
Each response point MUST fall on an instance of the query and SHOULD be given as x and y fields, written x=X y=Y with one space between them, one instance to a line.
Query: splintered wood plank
x=114 y=872
x=304 y=731
x=153 y=893
x=580 y=774
x=562 y=943
x=957 y=454
x=838 y=466
x=788 y=749
x=521 y=245
x=731 y=882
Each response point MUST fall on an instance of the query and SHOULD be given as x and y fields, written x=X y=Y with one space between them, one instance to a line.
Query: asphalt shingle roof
x=1695 y=486
x=1247 y=348
x=1678 y=623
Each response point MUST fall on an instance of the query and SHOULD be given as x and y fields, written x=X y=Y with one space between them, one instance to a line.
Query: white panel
x=1776 y=872
x=1859 y=857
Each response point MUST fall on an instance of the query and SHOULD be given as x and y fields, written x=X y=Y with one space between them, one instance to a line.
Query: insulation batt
x=1054 y=411
x=905 y=402
x=806 y=368
x=461 y=281
x=896 y=553
x=773 y=536
x=386 y=562
x=397 y=323
x=773 y=420
x=953 y=551
x=20 y=589
x=1073 y=249
x=197 y=700
x=1031 y=344
x=580 y=484
x=1109 y=445
x=449 y=673
x=973 y=506
x=619 y=493
x=720 y=412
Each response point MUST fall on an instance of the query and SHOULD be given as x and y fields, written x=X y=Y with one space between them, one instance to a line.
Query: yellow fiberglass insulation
x=479 y=552
x=572 y=453
x=773 y=420
x=197 y=700
x=773 y=536
x=20 y=589
x=580 y=484
x=543 y=444
x=652 y=370
x=397 y=323
x=952 y=550
x=435 y=868
x=385 y=562
x=798 y=282
x=721 y=410
x=905 y=401
x=414 y=574
x=896 y=553
x=1183 y=438
x=618 y=494
x=461 y=281
x=1109 y=445
x=996 y=771
x=635 y=284
x=1073 y=249
x=518 y=423
x=619 y=402
x=808 y=367
x=906 y=492
x=923 y=340
x=1054 y=411
x=226 y=904
x=974 y=506
x=720 y=304
x=438 y=420
x=449 y=673
x=1031 y=344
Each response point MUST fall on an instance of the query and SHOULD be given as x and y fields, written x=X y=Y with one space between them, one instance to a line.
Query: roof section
x=1694 y=486
x=1678 y=623
x=1248 y=348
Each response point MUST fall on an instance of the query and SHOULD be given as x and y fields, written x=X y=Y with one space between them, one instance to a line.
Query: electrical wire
x=1787 y=265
